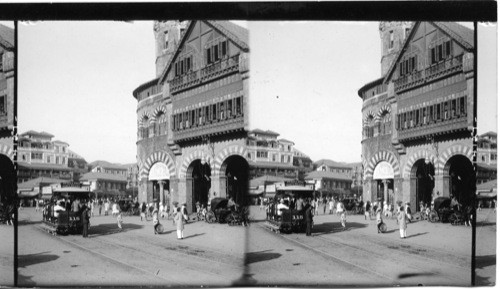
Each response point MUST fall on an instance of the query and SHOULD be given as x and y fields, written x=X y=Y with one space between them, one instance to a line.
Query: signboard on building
x=159 y=171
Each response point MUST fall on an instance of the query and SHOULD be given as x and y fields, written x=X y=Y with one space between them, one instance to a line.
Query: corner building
x=418 y=117
x=193 y=118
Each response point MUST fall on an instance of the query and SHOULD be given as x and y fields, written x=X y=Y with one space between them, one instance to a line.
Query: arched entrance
x=235 y=172
x=7 y=180
x=383 y=175
x=159 y=180
x=421 y=183
x=198 y=184
x=459 y=179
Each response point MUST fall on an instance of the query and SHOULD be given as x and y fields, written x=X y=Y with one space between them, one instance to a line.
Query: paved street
x=212 y=254
x=433 y=254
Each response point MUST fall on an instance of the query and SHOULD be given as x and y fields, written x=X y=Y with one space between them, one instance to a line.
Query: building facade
x=105 y=184
x=39 y=156
x=193 y=118
x=270 y=156
x=418 y=117
x=486 y=157
x=7 y=124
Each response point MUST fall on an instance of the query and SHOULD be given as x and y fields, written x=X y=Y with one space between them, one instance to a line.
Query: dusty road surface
x=433 y=254
x=213 y=254
x=210 y=254
x=6 y=255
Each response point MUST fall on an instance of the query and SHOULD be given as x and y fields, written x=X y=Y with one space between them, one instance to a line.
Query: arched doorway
x=159 y=178
x=7 y=181
x=421 y=183
x=459 y=179
x=383 y=175
x=198 y=184
x=235 y=171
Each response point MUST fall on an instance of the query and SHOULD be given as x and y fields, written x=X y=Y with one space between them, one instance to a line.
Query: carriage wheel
x=454 y=220
x=210 y=218
x=433 y=217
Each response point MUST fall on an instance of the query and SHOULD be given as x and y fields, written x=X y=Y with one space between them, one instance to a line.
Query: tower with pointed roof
x=392 y=35
x=167 y=35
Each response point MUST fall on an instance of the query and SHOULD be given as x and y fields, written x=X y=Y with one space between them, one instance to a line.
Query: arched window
x=385 y=123
x=161 y=123
x=369 y=126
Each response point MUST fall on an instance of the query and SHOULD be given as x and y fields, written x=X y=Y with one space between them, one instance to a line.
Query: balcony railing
x=422 y=76
x=217 y=127
x=440 y=127
x=220 y=68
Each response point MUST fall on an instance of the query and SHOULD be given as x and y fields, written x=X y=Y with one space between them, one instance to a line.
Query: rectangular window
x=438 y=111
x=417 y=117
x=462 y=106
x=3 y=104
x=224 y=48
x=208 y=52
x=391 y=39
x=453 y=108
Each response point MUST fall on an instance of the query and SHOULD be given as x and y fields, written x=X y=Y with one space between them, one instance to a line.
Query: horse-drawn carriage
x=444 y=212
x=57 y=214
x=220 y=212
x=288 y=220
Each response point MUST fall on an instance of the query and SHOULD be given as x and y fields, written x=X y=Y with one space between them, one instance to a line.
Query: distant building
x=303 y=163
x=78 y=164
x=330 y=183
x=7 y=171
x=108 y=168
x=39 y=156
x=418 y=117
x=326 y=165
x=486 y=157
x=270 y=156
x=105 y=184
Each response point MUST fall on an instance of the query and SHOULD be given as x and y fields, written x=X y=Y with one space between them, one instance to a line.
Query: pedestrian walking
x=179 y=222
x=407 y=210
x=85 y=221
x=114 y=209
x=143 y=210
x=36 y=205
x=185 y=212
x=323 y=202
x=367 y=210
x=340 y=207
x=156 y=222
x=402 y=220
x=331 y=206
x=99 y=205
x=92 y=207
x=309 y=219
x=106 y=207
x=316 y=207
x=343 y=220
x=379 y=220
x=119 y=219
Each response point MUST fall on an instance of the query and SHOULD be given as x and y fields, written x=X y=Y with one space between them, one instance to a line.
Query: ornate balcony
x=440 y=127
x=213 y=128
x=435 y=71
x=215 y=70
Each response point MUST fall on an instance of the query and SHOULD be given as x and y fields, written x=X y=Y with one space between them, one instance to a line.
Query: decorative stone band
x=420 y=154
x=196 y=155
x=457 y=149
x=7 y=151
x=160 y=111
x=154 y=158
x=382 y=156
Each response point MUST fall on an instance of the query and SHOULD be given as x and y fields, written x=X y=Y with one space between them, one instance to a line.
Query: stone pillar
x=384 y=183
x=161 y=183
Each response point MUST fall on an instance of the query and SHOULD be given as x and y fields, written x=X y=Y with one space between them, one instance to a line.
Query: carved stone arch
x=367 y=116
x=386 y=108
x=420 y=154
x=161 y=109
x=196 y=155
x=227 y=152
x=145 y=115
x=7 y=151
x=387 y=156
x=155 y=157
x=457 y=149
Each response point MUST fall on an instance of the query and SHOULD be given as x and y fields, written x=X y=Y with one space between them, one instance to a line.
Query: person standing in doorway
x=179 y=222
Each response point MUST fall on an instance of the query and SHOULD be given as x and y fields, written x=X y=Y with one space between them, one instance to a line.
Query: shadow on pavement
x=409 y=275
x=484 y=281
x=328 y=228
x=485 y=224
x=25 y=281
x=193 y=236
x=111 y=228
x=416 y=235
x=32 y=259
x=254 y=257
x=486 y=261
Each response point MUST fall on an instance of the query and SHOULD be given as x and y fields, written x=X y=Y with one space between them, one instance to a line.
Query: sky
x=76 y=81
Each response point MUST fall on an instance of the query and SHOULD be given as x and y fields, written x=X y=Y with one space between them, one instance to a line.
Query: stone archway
x=382 y=156
x=233 y=178
x=225 y=153
x=155 y=186
x=7 y=180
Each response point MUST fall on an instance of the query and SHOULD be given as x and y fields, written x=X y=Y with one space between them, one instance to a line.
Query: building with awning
x=33 y=188
x=265 y=186
x=330 y=183
x=487 y=190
